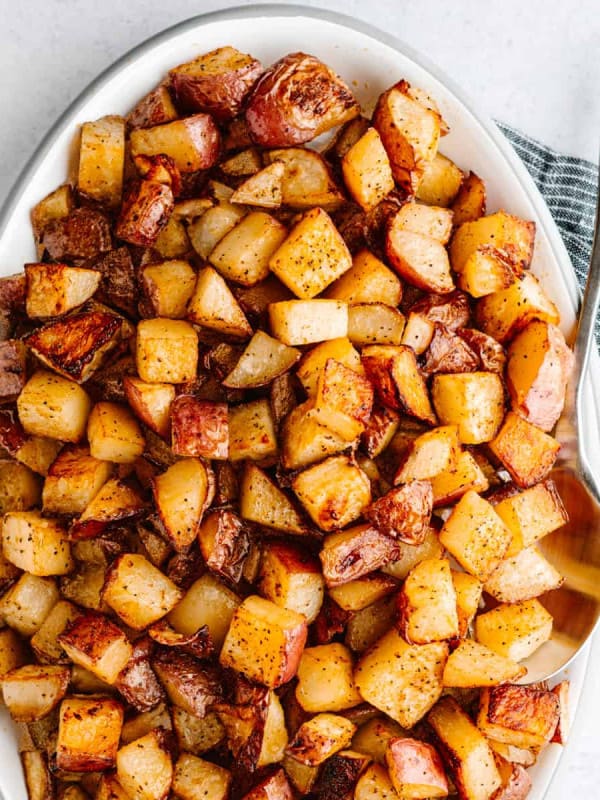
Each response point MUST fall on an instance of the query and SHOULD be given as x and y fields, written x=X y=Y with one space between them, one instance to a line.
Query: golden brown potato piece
x=240 y=165
x=523 y=576
x=440 y=183
x=419 y=259
x=252 y=431
x=514 y=630
x=319 y=738
x=155 y=108
x=193 y=143
x=166 y=350
x=215 y=82
x=510 y=235
x=291 y=578
x=192 y=775
x=306 y=180
x=470 y=202
x=27 y=603
x=435 y=222
x=403 y=513
x=274 y=787
x=199 y=428
x=88 y=734
x=473 y=664
x=52 y=406
x=531 y=514
x=325 y=680
x=488 y=270
x=350 y=554
x=519 y=715
x=468 y=594
x=181 y=495
x=538 y=369
x=261 y=362
x=367 y=171
x=214 y=306
x=362 y=592
x=297 y=322
x=375 y=323
x=343 y=400
x=473 y=401
x=146 y=209
x=416 y=769
x=35 y=452
x=56 y=205
x=263 y=189
x=19 y=491
x=224 y=543
x=101 y=160
x=243 y=255
x=263 y=502
x=55 y=289
x=297 y=99
x=114 y=434
x=85 y=233
x=151 y=403
x=97 y=644
x=35 y=544
x=367 y=281
x=451 y=484
x=113 y=502
x=145 y=767
x=524 y=450
x=32 y=691
x=448 y=352
x=429 y=454
x=427 y=603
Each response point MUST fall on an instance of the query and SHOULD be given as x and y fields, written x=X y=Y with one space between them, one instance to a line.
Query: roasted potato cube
x=275 y=785
x=475 y=535
x=343 y=400
x=145 y=768
x=486 y=271
x=114 y=434
x=207 y=230
x=224 y=543
x=538 y=368
x=427 y=603
x=523 y=576
x=155 y=108
x=166 y=351
x=252 y=431
x=440 y=183
x=418 y=332
x=374 y=784
x=196 y=735
x=402 y=680
x=411 y=556
x=32 y=691
x=45 y=643
x=197 y=779
x=168 y=286
x=263 y=502
x=319 y=738
x=297 y=322
x=173 y=243
x=145 y=213
x=263 y=360
x=243 y=255
x=367 y=626
x=109 y=788
x=367 y=171
x=435 y=222
x=367 y=281
x=419 y=259
x=514 y=630
x=56 y=205
x=193 y=143
x=473 y=664
x=362 y=592
x=314 y=360
x=503 y=231
x=305 y=440
x=453 y=483
x=379 y=430
x=341 y=773
x=151 y=403
x=469 y=204
x=97 y=644
x=430 y=454
x=291 y=578
x=468 y=591
x=325 y=680
x=199 y=428
x=35 y=452
x=84 y=588
x=398 y=383
x=410 y=132
x=114 y=502
x=375 y=323
x=54 y=407
x=416 y=769
x=403 y=513
x=213 y=306
x=138 y=592
x=466 y=752
x=73 y=480
x=531 y=514
x=302 y=778
x=264 y=187
x=504 y=313
x=373 y=736
x=306 y=180
x=207 y=602
x=519 y=715
x=88 y=734
x=283 y=108
x=12 y=651
x=28 y=602
x=524 y=450
x=34 y=544
x=190 y=685
x=84 y=234
x=13 y=354
x=473 y=401
x=215 y=82
x=312 y=256
x=281 y=634
x=334 y=492
x=102 y=159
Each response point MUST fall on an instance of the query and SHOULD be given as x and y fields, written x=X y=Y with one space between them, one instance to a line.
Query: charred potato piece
x=98 y=645
x=403 y=513
x=55 y=289
x=274 y=786
x=146 y=209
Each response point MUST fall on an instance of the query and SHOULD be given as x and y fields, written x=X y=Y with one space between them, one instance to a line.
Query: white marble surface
x=531 y=63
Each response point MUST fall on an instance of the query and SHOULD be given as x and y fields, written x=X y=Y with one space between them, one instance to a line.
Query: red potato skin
x=297 y=99
x=518 y=786
x=144 y=213
x=275 y=787
x=199 y=428
x=203 y=130
x=414 y=762
x=156 y=108
x=295 y=640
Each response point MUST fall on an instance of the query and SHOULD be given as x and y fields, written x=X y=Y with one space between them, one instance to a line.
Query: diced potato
x=144 y=213
x=55 y=289
x=197 y=779
x=44 y=642
x=84 y=587
x=173 y=243
x=503 y=231
x=195 y=735
x=145 y=768
x=380 y=430
x=189 y=683
x=350 y=554
x=264 y=188
x=514 y=630
x=440 y=182
x=98 y=645
x=419 y=259
x=367 y=626
x=416 y=769
x=319 y=738
x=281 y=634
x=102 y=159
x=325 y=680
x=531 y=514
x=181 y=494
x=306 y=181
x=114 y=434
x=402 y=680
x=138 y=592
x=150 y=402
x=243 y=254
x=166 y=351
x=199 y=428
x=263 y=502
x=367 y=281
x=361 y=592
x=367 y=171
x=213 y=306
x=486 y=271
x=313 y=362
x=373 y=736
x=305 y=440
x=207 y=230
x=475 y=535
x=73 y=480
x=261 y=362
x=467 y=754
x=334 y=492
x=12 y=651
x=519 y=715
x=192 y=143
x=207 y=602
x=435 y=222
x=108 y=788
x=224 y=543
x=524 y=450
x=55 y=407
x=427 y=603
x=523 y=576
x=473 y=664
x=19 y=489
x=429 y=455
x=538 y=368
x=341 y=774
x=114 y=502
x=343 y=400
x=505 y=313
x=302 y=778
x=468 y=595
x=28 y=602
x=168 y=286
x=375 y=784
x=312 y=256
x=469 y=203
x=451 y=484
x=31 y=692
x=403 y=513
x=35 y=544
x=56 y=205
x=375 y=323
x=398 y=383
x=418 y=332
x=297 y=322
x=252 y=431
x=430 y=547
x=88 y=734
x=473 y=401
x=291 y=578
